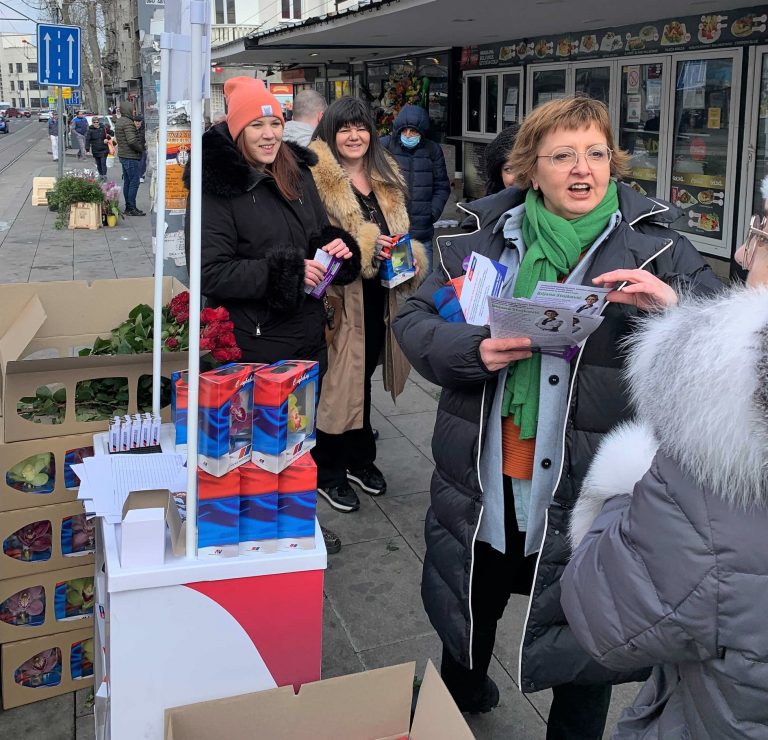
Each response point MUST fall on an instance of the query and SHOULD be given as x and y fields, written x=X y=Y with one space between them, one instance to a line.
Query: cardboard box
x=85 y=216
x=22 y=462
x=42 y=325
x=46 y=603
x=374 y=705
x=37 y=669
x=45 y=538
x=284 y=405
x=135 y=548
x=296 y=504
x=399 y=266
x=258 y=509
x=41 y=186
x=218 y=514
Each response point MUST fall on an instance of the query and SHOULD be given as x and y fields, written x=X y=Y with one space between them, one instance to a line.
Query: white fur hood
x=698 y=376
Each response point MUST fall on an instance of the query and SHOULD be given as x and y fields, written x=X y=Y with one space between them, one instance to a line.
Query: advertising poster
x=176 y=158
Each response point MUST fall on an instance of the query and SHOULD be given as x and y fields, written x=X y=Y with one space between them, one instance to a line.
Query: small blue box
x=399 y=266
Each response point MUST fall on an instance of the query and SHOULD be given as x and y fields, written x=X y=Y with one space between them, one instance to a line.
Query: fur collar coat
x=670 y=566
x=341 y=403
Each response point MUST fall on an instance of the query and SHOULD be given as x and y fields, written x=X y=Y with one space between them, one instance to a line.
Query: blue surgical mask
x=410 y=142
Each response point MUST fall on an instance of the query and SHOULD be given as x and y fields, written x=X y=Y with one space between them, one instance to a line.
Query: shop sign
x=741 y=27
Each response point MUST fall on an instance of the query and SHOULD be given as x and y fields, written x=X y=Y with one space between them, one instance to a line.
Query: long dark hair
x=348 y=111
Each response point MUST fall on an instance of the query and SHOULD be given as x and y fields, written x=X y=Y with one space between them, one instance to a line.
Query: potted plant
x=69 y=190
x=111 y=192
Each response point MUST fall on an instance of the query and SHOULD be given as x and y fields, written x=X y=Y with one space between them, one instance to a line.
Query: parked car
x=23 y=112
x=3 y=125
x=44 y=115
x=14 y=113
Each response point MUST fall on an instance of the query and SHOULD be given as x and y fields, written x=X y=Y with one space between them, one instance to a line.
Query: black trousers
x=101 y=164
x=334 y=454
x=577 y=712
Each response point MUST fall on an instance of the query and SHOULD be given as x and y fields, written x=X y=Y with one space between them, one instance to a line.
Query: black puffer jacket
x=448 y=354
x=423 y=169
x=254 y=243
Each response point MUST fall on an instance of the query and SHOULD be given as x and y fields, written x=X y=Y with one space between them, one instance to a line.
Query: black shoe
x=332 y=541
x=481 y=700
x=369 y=479
x=342 y=498
x=135 y=212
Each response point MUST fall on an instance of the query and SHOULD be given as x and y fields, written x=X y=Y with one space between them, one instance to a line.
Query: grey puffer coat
x=447 y=354
x=673 y=571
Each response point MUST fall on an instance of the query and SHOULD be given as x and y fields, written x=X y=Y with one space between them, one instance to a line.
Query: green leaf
x=43 y=392
x=60 y=396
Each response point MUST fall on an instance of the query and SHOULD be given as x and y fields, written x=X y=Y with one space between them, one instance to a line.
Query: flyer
x=583 y=300
x=483 y=278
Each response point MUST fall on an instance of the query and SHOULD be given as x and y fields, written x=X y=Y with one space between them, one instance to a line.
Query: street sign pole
x=62 y=144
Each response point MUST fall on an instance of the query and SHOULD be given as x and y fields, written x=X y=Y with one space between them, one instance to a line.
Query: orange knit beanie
x=248 y=99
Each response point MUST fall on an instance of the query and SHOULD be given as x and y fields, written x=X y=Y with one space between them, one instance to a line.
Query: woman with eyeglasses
x=516 y=430
x=363 y=193
x=670 y=562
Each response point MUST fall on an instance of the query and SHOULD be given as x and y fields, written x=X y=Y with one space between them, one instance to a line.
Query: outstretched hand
x=637 y=288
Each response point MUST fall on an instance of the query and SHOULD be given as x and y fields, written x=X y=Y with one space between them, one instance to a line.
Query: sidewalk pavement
x=373 y=615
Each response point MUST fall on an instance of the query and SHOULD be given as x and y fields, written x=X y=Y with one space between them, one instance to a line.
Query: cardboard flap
x=22 y=331
x=436 y=712
x=160 y=499
x=378 y=701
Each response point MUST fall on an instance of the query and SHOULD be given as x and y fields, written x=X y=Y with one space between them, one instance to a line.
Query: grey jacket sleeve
x=445 y=353
x=640 y=577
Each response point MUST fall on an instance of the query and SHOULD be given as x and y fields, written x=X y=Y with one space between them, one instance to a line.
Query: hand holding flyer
x=484 y=279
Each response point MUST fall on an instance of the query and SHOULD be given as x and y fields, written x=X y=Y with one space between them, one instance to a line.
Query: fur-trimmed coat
x=341 y=402
x=670 y=567
x=254 y=243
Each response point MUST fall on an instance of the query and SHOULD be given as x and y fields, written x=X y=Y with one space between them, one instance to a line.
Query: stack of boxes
x=257 y=483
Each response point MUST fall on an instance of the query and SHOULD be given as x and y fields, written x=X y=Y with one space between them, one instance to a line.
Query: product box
x=258 y=509
x=218 y=513
x=296 y=504
x=284 y=406
x=375 y=705
x=42 y=328
x=226 y=418
x=179 y=398
x=399 y=265
x=37 y=472
x=45 y=538
x=46 y=603
x=37 y=669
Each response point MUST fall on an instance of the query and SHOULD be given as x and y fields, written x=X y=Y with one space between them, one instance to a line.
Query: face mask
x=410 y=142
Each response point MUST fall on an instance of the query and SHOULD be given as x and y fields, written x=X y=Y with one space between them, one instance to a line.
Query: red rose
x=207 y=315
x=226 y=355
x=182 y=315
x=227 y=326
x=227 y=339
x=179 y=307
x=205 y=343
x=172 y=343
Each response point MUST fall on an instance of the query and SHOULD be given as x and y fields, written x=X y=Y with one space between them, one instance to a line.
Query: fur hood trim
x=343 y=209
x=698 y=376
x=623 y=458
x=226 y=174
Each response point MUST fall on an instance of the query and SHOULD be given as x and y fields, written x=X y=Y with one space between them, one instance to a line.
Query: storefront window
x=595 y=82
x=548 y=84
x=474 y=103
x=510 y=92
x=491 y=104
x=700 y=145
x=435 y=69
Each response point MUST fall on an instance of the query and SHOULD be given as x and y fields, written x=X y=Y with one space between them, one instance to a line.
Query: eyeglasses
x=757 y=234
x=566 y=158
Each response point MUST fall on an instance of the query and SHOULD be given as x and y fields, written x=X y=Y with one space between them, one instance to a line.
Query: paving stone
x=420 y=649
x=47 y=274
x=405 y=468
x=418 y=429
x=379 y=421
x=426 y=385
x=407 y=513
x=411 y=400
x=85 y=728
x=52 y=719
x=365 y=524
x=339 y=658
x=374 y=589
x=84 y=702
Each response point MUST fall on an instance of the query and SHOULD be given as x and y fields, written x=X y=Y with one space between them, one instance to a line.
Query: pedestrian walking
x=498 y=169
x=423 y=166
x=670 y=561
x=308 y=110
x=364 y=194
x=262 y=222
x=79 y=131
x=53 y=133
x=141 y=129
x=515 y=430
x=129 y=150
x=96 y=143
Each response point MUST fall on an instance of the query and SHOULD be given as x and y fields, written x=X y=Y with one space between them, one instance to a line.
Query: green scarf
x=554 y=246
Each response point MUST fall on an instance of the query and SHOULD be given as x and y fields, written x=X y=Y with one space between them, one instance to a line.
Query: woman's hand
x=496 y=354
x=640 y=289
x=385 y=245
x=313 y=273
x=337 y=248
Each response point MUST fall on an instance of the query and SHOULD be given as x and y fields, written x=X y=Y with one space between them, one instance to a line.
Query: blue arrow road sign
x=58 y=55
x=74 y=98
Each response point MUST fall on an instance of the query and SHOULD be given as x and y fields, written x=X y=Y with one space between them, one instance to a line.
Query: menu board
x=702 y=198
x=741 y=26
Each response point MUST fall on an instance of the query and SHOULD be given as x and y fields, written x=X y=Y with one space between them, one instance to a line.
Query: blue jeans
x=130 y=181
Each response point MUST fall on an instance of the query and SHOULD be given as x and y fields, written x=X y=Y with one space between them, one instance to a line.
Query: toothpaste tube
x=114 y=435
x=155 y=434
x=136 y=431
x=125 y=434
x=146 y=430
x=332 y=266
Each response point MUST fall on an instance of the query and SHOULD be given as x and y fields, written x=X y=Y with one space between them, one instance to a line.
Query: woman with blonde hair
x=516 y=429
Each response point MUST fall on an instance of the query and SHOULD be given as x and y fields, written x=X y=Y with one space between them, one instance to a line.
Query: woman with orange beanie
x=262 y=222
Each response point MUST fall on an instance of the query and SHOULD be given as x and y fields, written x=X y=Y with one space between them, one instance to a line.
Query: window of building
x=231 y=12
x=13 y=85
x=31 y=66
x=10 y=68
x=35 y=103
x=13 y=102
x=291 y=10
x=220 y=12
x=34 y=85
x=19 y=66
x=21 y=102
x=21 y=84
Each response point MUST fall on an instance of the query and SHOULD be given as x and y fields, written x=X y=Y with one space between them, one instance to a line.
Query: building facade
x=18 y=72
